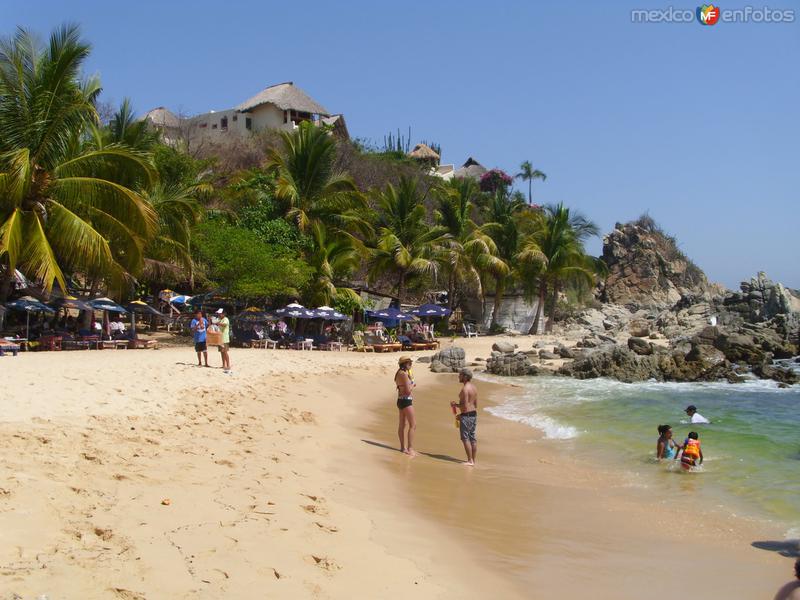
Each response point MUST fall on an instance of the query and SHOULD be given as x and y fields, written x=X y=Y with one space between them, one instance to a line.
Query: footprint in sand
x=324 y=563
x=128 y=594
x=328 y=528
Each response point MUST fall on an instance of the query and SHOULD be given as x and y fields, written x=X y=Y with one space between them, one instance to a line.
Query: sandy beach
x=136 y=474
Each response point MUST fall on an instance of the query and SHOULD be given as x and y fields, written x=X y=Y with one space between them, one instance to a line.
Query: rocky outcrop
x=625 y=365
x=760 y=300
x=510 y=364
x=449 y=360
x=647 y=270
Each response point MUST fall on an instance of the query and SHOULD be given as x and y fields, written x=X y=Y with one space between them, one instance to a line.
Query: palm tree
x=178 y=212
x=308 y=182
x=559 y=237
x=503 y=215
x=471 y=251
x=406 y=244
x=528 y=173
x=333 y=257
x=59 y=207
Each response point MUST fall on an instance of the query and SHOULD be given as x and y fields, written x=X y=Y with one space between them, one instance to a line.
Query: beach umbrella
x=29 y=305
x=214 y=298
x=390 y=313
x=143 y=308
x=431 y=310
x=70 y=302
x=137 y=306
x=107 y=305
x=253 y=315
x=295 y=311
x=329 y=314
x=183 y=299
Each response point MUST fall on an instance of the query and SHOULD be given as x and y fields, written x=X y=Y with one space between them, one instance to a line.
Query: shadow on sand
x=443 y=457
x=787 y=548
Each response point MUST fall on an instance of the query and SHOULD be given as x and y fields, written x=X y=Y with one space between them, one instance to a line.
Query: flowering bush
x=494 y=180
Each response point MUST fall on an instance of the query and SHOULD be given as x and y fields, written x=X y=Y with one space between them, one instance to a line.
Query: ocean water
x=751 y=449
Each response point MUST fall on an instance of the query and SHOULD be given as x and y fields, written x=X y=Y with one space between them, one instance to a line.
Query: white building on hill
x=280 y=107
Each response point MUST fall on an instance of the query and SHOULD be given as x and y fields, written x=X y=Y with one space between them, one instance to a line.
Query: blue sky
x=698 y=125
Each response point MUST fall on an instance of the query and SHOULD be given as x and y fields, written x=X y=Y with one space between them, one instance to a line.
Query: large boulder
x=448 y=360
x=640 y=346
x=515 y=364
x=639 y=328
x=504 y=347
x=741 y=348
x=547 y=355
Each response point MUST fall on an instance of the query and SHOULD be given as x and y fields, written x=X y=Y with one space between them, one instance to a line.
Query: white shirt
x=698 y=418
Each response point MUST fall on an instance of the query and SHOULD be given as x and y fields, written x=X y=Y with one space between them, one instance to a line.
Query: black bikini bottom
x=404 y=402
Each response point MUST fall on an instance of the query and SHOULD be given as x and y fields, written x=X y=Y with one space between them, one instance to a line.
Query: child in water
x=691 y=454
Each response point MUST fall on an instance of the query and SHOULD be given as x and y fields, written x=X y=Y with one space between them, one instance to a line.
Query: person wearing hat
x=225 y=328
x=405 y=383
x=695 y=416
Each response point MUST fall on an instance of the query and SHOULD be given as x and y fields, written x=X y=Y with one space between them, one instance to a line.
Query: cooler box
x=213 y=336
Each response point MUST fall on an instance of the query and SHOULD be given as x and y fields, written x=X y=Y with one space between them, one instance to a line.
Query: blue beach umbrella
x=29 y=305
x=329 y=314
x=106 y=304
x=390 y=313
x=183 y=299
x=431 y=310
x=70 y=302
x=294 y=311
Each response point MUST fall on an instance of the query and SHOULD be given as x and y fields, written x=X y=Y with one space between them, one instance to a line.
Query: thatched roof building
x=286 y=96
x=424 y=152
x=472 y=169
x=162 y=117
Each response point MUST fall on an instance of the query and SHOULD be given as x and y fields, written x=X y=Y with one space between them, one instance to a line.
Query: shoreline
x=280 y=480
x=587 y=511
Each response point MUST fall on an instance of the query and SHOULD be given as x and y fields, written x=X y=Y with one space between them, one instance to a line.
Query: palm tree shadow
x=443 y=457
x=787 y=548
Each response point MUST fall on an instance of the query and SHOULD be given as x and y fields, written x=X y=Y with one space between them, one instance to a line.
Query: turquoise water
x=751 y=449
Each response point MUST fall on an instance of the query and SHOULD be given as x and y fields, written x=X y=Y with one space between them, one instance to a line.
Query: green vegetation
x=114 y=209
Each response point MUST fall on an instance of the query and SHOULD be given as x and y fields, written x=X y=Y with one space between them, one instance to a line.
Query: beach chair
x=380 y=345
x=140 y=344
x=50 y=342
x=8 y=347
x=359 y=345
x=469 y=330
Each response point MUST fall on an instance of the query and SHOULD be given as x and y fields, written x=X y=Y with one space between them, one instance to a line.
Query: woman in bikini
x=404 y=383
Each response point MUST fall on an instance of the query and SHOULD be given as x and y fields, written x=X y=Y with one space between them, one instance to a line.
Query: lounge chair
x=359 y=345
x=469 y=330
x=381 y=346
x=50 y=342
x=140 y=344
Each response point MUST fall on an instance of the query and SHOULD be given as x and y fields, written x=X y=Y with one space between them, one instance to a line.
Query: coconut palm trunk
x=539 y=308
x=499 y=289
x=552 y=312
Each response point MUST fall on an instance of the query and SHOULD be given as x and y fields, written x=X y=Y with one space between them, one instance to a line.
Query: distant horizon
x=695 y=125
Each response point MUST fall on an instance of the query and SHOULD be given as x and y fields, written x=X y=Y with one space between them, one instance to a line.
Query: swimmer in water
x=666 y=447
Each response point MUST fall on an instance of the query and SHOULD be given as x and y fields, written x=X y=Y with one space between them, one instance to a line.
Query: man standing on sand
x=225 y=328
x=468 y=414
x=199 y=325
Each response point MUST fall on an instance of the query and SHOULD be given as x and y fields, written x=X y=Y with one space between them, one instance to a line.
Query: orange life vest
x=692 y=448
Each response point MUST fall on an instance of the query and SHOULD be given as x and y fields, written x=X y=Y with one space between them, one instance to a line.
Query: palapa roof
x=424 y=152
x=162 y=117
x=286 y=96
x=339 y=125
x=471 y=168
